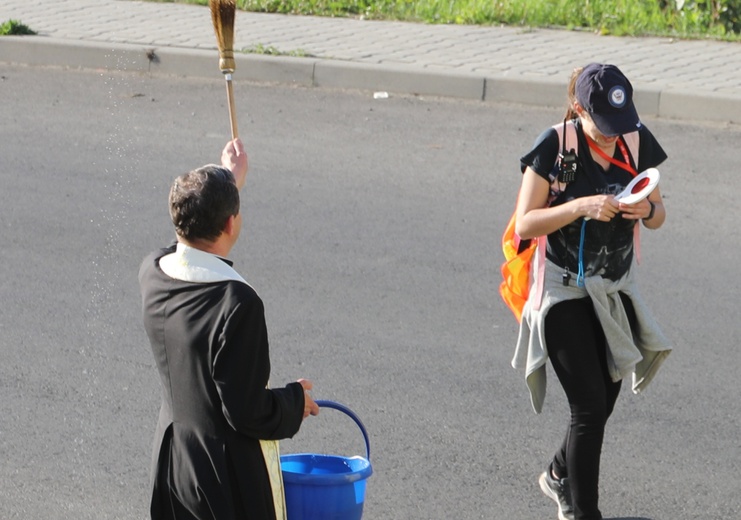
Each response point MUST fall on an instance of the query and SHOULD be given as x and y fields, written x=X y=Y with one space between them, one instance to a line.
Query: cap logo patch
x=617 y=97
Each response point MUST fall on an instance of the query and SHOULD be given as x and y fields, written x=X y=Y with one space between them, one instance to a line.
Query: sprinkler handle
x=232 y=109
x=344 y=409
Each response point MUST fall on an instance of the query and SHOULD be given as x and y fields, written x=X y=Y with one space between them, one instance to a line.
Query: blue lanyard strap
x=580 y=274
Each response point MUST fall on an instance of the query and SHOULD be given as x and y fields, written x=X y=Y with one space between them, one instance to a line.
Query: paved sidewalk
x=691 y=80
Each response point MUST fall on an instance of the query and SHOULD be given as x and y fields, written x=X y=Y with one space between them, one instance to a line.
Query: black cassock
x=212 y=455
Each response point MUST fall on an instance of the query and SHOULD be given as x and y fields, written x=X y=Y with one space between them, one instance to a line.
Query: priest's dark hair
x=201 y=202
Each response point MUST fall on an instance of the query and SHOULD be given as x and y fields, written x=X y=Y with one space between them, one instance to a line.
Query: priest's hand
x=310 y=407
x=235 y=159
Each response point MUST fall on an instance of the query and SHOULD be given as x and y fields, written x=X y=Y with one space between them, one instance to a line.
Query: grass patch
x=14 y=27
x=272 y=51
x=717 y=19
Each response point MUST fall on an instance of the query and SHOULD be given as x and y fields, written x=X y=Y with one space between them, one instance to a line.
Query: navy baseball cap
x=607 y=95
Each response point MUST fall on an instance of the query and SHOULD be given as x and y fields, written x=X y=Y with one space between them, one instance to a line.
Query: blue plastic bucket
x=326 y=487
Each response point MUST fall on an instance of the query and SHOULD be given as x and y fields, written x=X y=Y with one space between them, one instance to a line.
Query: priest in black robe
x=215 y=454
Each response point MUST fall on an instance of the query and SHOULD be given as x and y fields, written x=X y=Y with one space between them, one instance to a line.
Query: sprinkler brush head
x=223 y=13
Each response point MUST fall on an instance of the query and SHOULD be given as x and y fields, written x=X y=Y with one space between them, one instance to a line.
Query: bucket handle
x=344 y=409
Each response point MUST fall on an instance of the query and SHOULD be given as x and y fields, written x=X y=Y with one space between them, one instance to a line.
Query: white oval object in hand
x=640 y=187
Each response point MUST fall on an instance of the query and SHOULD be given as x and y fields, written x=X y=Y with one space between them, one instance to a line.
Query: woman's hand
x=641 y=209
x=599 y=207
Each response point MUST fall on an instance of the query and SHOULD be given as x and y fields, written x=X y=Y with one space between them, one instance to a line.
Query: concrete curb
x=651 y=100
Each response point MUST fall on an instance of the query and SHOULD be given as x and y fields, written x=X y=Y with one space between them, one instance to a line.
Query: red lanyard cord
x=624 y=165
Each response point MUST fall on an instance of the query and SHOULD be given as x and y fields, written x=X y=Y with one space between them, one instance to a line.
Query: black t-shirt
x=608 y=246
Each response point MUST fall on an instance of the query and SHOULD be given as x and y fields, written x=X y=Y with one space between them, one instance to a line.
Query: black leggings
x=578 y=352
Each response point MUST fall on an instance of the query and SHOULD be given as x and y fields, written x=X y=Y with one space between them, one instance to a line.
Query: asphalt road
x=372 y=232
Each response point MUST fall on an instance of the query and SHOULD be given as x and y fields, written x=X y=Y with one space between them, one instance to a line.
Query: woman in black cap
x=584 y=312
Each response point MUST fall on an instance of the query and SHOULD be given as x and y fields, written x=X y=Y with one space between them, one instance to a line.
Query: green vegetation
x=13 y=27
x=719 y=19
x=272 y=51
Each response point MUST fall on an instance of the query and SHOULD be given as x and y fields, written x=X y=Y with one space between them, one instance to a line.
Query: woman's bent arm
x=534 y=219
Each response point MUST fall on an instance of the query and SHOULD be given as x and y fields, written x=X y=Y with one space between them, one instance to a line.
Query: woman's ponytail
x=571 y=94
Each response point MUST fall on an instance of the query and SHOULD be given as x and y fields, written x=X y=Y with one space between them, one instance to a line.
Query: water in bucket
x=326 y=487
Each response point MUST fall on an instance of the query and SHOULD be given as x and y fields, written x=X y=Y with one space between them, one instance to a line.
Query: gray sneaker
x=558 y=490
